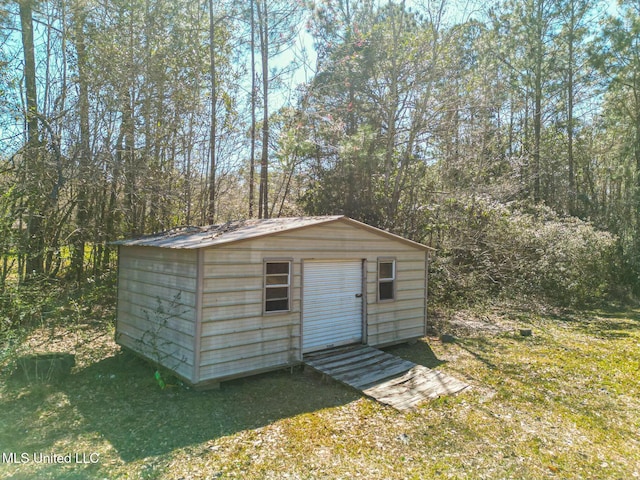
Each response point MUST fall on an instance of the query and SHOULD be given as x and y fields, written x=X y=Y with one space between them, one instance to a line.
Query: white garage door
x=332 y=304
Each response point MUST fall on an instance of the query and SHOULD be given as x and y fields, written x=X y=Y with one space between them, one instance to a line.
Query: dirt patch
x=471 y=324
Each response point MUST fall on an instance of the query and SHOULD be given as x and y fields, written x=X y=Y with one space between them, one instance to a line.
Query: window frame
x=266 y=286
x=393 y=279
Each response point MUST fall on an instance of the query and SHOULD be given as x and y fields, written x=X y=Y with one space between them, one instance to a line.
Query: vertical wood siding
x=157 y=305
x=237 y=338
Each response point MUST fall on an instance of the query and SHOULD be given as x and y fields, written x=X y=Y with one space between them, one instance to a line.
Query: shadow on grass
x=419 y=352
x=608 y=324
x=479 y=348
x=117 y=399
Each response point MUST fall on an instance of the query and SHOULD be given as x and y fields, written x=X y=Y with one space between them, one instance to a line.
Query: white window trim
x=265 y=275
x=393 y=279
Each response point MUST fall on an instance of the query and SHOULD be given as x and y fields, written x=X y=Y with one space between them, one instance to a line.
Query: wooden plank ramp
x=382 y=376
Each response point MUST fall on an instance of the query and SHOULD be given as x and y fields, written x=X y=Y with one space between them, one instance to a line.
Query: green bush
x=490 y=249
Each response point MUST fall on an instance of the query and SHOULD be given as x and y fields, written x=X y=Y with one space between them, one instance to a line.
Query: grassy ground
x=563 y=403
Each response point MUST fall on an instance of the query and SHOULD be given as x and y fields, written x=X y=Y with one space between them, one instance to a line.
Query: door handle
x=358 y=295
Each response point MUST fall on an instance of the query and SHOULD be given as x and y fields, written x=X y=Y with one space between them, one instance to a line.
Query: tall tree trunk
x=570 y=100
x=82 y=214
x=252 y=163
x=351 y=107
x=570 y=132
x=391 y=111
x=35 y=235
x=537 y=98
x=128 y=156
x=128 y=129
x=152 y=184
x=263 y=207
x=537 y=109
x=187 y=147
x=211 y=209
x=110 y=214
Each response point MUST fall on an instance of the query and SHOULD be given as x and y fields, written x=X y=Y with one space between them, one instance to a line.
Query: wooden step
x=382 y=376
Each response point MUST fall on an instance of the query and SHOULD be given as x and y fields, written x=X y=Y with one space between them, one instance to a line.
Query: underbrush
x=49 y=307
x=491 y=250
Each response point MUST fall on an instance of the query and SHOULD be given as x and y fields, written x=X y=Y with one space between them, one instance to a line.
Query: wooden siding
x=237 y=338
x=157 y=305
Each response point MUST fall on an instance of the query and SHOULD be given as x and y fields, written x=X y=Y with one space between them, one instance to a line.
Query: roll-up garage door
x=332 y=304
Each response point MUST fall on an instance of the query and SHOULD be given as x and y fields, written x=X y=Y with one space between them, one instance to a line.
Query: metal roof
x=213 y=235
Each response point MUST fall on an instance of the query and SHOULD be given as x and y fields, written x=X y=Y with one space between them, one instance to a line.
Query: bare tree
x=35 y=236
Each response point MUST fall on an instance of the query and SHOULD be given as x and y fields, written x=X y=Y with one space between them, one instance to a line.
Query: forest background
x=506 y=136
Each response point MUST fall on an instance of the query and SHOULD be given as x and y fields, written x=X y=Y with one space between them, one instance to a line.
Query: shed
x=224 y=301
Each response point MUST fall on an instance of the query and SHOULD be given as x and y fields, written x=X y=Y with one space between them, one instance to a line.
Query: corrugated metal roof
x=212 y=235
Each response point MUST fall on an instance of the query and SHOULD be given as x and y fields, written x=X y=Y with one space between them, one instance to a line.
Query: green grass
x=564 y=403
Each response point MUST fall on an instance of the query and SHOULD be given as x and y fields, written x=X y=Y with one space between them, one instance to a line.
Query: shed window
x=277 y=280
x=386 y=279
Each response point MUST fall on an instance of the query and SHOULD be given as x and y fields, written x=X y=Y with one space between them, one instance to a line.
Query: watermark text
x=75 y=458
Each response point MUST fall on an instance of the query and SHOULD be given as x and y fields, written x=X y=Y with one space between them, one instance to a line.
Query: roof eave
x=384 y=233
x=320 y=221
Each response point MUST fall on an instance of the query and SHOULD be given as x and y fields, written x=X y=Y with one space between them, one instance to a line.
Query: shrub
x=488 y=248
